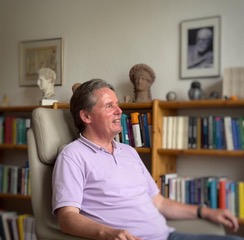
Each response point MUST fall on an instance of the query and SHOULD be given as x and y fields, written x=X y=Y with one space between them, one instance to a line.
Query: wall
x=105 y=38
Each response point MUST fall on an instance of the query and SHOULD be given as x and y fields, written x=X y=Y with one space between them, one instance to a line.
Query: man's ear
x=85 y=116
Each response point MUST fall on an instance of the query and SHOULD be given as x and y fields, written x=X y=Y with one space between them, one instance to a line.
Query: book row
x=209 y=132
x=215 y=192
x=13 y=130
x=14 y=180
x=16 y=227
x=136 y=129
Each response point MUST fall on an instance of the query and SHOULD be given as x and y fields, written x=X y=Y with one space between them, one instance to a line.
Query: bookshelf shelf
x=14 y=196
x=13 y=146
x=203 y=152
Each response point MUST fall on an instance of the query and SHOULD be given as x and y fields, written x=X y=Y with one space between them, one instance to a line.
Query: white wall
x=105 y=38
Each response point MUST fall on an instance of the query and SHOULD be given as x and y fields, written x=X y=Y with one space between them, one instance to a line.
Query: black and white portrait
x=200 y=48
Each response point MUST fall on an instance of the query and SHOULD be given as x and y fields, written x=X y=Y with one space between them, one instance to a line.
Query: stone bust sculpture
x=142 y=76
x=46 y=80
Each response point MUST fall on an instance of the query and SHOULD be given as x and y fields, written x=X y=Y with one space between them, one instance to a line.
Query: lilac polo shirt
x=113 y=189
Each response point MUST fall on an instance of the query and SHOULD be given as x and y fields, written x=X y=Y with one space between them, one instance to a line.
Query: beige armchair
x=51 y=129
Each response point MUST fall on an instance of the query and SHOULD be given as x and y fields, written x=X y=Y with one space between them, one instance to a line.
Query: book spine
x=136 y=129
x=241 y=199
x=125 y=136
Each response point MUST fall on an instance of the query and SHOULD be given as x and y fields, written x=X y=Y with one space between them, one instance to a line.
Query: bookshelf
x=166 y=161
x=15 y=154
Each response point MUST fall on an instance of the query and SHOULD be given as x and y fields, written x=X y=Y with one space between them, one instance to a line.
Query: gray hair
x=83 y=98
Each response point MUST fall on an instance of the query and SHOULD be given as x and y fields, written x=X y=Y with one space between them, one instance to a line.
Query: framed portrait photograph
x=200 y=48
x=37 y=54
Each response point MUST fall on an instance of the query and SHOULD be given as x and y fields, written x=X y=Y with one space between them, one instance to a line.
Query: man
x=46 y=80
x=200 y=55
x=101 y=188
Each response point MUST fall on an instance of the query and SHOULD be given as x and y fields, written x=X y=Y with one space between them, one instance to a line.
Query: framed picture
x=200 y=48
x=37 y=54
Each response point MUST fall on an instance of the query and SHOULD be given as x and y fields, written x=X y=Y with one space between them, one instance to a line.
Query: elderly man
x=200 y=55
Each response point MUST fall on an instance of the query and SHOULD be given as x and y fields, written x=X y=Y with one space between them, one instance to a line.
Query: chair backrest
x=51 y=129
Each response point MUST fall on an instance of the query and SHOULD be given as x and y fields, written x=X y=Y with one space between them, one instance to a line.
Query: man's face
x=204 y=38
x=105 y=115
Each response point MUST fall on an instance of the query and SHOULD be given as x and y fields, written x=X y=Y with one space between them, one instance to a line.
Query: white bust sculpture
x=46 y=80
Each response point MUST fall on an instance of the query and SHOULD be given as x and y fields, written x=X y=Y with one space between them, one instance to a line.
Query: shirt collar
x=94 y=146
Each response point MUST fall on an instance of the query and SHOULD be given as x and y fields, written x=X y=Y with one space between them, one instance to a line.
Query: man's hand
x=116 y=234
x=224 y=217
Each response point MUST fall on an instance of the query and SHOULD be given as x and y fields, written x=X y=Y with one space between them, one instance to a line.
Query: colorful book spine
x=124 y=135
x=241 y=200
x=136 y=129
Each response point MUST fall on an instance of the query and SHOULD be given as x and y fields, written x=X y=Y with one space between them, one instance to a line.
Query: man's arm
x=74 y=223
x=176 y=210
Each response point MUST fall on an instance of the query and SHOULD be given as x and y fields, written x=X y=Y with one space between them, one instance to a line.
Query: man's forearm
x=74 y=223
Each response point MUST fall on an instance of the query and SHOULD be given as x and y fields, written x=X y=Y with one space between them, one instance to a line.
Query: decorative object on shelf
x=142 y=76
x=46 y=80
x=127 y=98
x=171 y=96
x=233 y=84
x=5 y=101
x=214 y=95
x=195 y=91
x=199 y=59
x=38 y=54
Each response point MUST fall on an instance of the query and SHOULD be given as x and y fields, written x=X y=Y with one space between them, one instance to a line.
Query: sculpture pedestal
x=47 y=102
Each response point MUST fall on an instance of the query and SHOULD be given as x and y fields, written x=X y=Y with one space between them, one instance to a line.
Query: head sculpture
x=46 y=80
x=142 y=76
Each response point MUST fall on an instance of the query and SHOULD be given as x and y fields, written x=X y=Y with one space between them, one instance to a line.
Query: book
x=241 y=199
x=136 y=129
x=180 y=132
x=170 y=132
x=222 y=194
x=2 y=233
x=199 y=132
x=145 y=130
x=241 y=130
x=149 y=120
x=210 y=132
x=1 y=129
x=124 y=135
x=20 y=223
x=228 y=133
x=235 y=133
x=165 y=183
x=212 y=182
x=219 y=139
x=5 y=217
x=164 y=132
x=205 y=132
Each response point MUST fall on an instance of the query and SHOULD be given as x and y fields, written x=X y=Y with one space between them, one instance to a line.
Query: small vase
x=195 y=91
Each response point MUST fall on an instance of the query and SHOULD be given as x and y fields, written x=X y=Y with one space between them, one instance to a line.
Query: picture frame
x=37 y=54
x=200 y=48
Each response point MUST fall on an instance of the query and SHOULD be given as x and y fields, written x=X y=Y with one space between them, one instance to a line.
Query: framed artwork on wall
x=37 y=54
x=200 y=48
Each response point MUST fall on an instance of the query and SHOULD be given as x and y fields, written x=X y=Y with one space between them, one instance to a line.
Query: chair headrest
x=53 y=128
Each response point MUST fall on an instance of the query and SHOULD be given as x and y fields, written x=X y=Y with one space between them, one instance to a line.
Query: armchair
x=51 y=129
